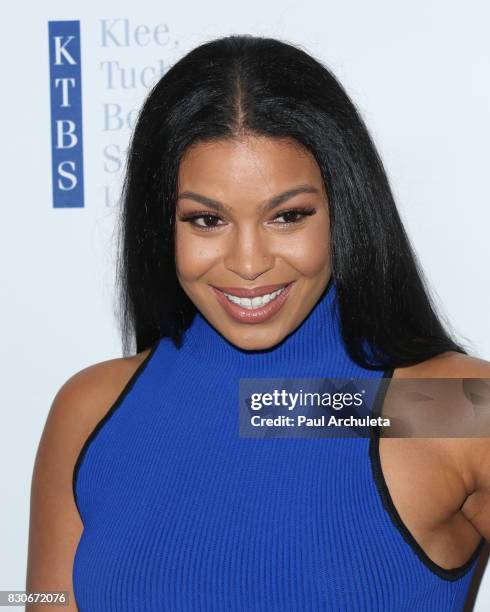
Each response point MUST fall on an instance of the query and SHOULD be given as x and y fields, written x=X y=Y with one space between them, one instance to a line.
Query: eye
x=294 y=216
x=207 y=217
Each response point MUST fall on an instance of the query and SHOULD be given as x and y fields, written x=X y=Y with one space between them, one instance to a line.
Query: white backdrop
x=419 y=74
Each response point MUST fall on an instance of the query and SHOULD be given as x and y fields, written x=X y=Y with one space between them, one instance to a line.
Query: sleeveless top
x=181 y=513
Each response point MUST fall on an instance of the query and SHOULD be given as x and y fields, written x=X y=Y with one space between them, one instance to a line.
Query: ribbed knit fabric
x=180 y=513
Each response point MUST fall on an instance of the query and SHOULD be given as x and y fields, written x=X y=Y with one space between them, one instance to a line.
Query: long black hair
x=243 y=84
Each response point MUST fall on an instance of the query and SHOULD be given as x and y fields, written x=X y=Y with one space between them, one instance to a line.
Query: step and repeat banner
x=74 y=79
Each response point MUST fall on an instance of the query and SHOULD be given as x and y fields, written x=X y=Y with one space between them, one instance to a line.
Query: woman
x=259 y=239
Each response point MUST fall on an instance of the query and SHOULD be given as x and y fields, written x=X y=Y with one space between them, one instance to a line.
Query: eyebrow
x=269 y=205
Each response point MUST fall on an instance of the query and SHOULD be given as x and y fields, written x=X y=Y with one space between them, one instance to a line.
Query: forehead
x=263 y=166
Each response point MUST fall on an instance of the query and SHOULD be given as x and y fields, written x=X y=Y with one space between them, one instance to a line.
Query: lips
x=252 y=292
x=260 y=314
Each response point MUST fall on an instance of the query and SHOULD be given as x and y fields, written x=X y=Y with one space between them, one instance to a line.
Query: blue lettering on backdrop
x=66 y=114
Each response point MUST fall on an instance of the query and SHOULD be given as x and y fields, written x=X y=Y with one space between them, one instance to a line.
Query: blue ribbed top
x=180 y=513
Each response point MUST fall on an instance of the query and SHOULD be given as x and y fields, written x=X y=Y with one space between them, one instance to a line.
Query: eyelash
x=190 y=218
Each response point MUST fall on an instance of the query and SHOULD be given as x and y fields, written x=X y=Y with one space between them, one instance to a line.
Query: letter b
x=69 y=132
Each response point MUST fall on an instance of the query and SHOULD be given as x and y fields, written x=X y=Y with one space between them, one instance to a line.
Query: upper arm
x=469 y=456
x=476 y=507
x=55 y=526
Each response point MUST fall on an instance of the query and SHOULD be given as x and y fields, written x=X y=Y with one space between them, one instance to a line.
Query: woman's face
x=252 y=214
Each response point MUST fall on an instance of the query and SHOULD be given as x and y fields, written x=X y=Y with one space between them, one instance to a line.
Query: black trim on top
x=126 y=389
x=446 y=574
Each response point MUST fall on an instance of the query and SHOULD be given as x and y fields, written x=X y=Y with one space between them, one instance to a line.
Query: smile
x=253 y=305
x=255 y=302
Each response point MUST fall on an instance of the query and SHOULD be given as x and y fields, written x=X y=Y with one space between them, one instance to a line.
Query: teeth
x=256 y=302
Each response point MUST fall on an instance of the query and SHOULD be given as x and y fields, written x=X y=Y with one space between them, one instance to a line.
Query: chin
x=250 y=341
x=254 y=346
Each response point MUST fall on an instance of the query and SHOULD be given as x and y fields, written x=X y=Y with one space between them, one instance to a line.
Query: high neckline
x=314 y=348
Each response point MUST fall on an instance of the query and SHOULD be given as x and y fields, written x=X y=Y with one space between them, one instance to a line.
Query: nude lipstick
x=254 y=305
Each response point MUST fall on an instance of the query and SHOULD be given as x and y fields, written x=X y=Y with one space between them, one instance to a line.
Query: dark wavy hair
x=243 y=84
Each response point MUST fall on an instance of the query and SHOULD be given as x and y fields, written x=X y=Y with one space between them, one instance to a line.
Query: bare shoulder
x=464 y=459
x=55 y=526
x=447 y=365
x=85 y=397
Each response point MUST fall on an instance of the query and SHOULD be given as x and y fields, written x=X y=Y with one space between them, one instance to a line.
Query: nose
x=248 y=254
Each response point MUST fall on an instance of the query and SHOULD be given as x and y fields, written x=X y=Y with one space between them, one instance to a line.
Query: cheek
x=309 y=251
x=194 y=255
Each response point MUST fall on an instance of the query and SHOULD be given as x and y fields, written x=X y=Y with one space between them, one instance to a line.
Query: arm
x=476 y=507
x=474 y=458
x=469 y=457
x=55 y=526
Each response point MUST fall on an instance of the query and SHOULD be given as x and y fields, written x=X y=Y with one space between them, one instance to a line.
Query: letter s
x=72 y=179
